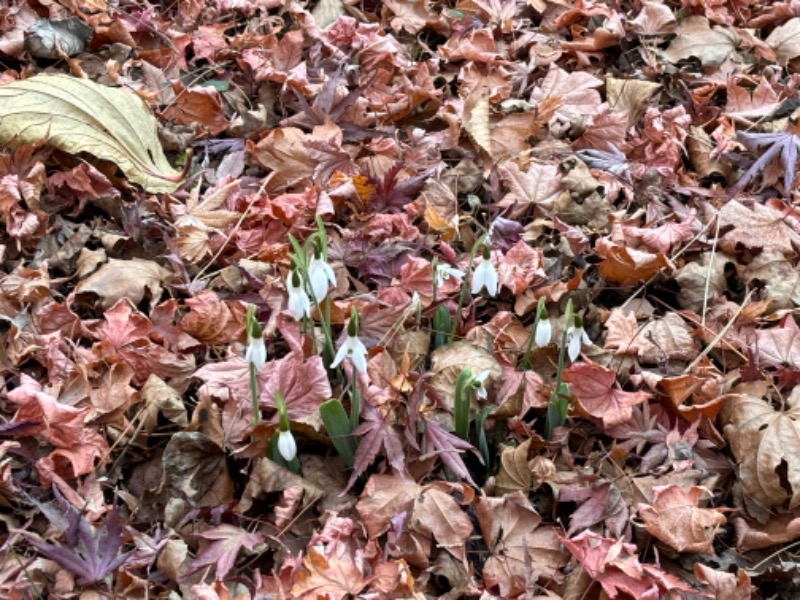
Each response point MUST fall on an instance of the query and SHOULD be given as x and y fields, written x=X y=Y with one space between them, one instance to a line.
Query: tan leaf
x=511 y=530
x=78 y=115
x=629 y=96
x=124 y=279
x=761 y=227
x=675 y=517
x=766 y=443
x=696 y=38
x=538 y=185
x=514 y=474
x=785 y=40
x=668 y=338
x=448 y=361
x=437 y=513
x=475 y=120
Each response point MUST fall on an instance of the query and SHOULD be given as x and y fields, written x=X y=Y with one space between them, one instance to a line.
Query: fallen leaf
x=118 y=279
x=83 y=116
x=676 y=518
x=596 y=388
x=227 y=543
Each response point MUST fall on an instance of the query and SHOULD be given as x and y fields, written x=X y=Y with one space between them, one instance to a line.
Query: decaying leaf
x=78 y=115
x=766 y=442
x=119 y=279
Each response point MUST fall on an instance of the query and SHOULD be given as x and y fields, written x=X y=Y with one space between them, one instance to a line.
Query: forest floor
x=400 y=299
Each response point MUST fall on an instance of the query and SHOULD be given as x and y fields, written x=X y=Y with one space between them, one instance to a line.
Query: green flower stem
x=254 y=394
x=558 y=406
x=465 y=284
x=355 y=401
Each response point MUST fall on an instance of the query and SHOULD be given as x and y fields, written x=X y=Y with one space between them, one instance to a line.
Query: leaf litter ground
x=636 y=160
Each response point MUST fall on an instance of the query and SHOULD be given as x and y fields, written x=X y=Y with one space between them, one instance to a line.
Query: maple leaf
x=783 y=144
x=596 y=390
x=228 y=541
x=676 y=518
x=378 y=433
x=615 y=565
x=89 y=554
x=448 y=447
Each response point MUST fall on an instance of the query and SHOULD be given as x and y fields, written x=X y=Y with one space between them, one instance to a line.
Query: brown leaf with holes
x=676 y=518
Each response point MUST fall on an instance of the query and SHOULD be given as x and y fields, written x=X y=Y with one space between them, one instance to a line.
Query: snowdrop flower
x=299 y=302
x=479 y=384
x=256 y=351
x=352 y=348
x=321 y=276
x=286 y=445
x=576 y=337
x=445 y=271
x=484 y=275
x=543 y=333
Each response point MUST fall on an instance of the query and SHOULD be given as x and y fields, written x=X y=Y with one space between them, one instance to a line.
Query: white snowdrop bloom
x=321 y=277
x=484 y=275
x=354 y=349
x=299 y=302
x=286 y=445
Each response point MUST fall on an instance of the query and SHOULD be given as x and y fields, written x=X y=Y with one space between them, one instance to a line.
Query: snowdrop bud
x=543 y=333
x=299 y=302
x=287 y=445
x=256 y=351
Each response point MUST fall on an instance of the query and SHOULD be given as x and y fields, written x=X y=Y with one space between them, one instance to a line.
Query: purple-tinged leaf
x=614 y=161
x=783 y=144
x=448 y=447
x=90 y=555
x=378 y=433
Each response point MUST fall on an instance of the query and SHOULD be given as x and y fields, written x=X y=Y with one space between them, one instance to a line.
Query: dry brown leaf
x=475 y=120
x=696 y=38
x=675 y=518
x=766 y=443
x=124 y=279
x=514 y=474
x=629 y=96
x=761 y=227
x=785 y=40
x=523 y=551
x=628 y=265
x=78 y=115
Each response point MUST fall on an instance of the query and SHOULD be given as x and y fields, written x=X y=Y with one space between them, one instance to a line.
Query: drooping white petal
x=287 y=445
x=321 y=277
x=445 y=271
x=354 y=349
x=484 y=275
x=341 y=354
x=358 y=355
x=480 y=380
x=299 y=302
x=543 y=333
x=574 y=338
x=256 y=353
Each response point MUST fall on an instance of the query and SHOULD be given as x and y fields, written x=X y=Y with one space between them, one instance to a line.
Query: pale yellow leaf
x=78 y=115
